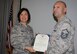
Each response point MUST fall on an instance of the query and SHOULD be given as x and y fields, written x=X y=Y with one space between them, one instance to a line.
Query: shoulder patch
x=64 y=34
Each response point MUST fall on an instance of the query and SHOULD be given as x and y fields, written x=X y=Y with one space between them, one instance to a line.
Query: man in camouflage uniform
x=62 y=39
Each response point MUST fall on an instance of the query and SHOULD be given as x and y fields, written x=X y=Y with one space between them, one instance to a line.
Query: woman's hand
x=30 y=49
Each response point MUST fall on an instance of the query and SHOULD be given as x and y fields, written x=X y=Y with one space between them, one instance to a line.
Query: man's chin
x=55 y=18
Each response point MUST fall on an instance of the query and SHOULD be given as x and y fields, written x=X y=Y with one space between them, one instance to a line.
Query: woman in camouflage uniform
x=22 y=37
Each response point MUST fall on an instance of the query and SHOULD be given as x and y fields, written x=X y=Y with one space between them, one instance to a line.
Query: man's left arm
x=62 y=43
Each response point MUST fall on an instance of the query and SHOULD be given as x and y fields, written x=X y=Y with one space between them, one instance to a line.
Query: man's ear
x=65 y=10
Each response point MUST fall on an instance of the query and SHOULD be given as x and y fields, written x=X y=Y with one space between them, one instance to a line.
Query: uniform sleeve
x=61 y=42
x=15 y=38
x=32 y=36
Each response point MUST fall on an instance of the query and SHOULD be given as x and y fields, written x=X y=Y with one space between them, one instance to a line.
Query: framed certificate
x=41 y=42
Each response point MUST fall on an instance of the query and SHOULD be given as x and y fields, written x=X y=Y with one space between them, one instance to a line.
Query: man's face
x=59 y=9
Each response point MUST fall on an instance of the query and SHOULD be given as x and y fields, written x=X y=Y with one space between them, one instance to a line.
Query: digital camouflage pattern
x=62 y=39
x=21 y=37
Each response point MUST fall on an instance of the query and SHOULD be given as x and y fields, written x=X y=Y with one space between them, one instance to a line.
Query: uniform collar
x=62 y=18
x=22 y=24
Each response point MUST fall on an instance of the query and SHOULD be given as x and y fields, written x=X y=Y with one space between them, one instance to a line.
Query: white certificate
x=41 y=43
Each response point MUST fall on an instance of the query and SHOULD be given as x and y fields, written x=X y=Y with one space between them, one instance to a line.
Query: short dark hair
x=62 y=3
x=20 y=11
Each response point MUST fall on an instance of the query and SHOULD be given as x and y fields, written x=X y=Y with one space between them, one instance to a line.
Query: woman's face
x=24 y=17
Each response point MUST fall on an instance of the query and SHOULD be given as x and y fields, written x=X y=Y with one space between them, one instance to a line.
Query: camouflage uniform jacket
x=62 y=39
x=21 y=37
